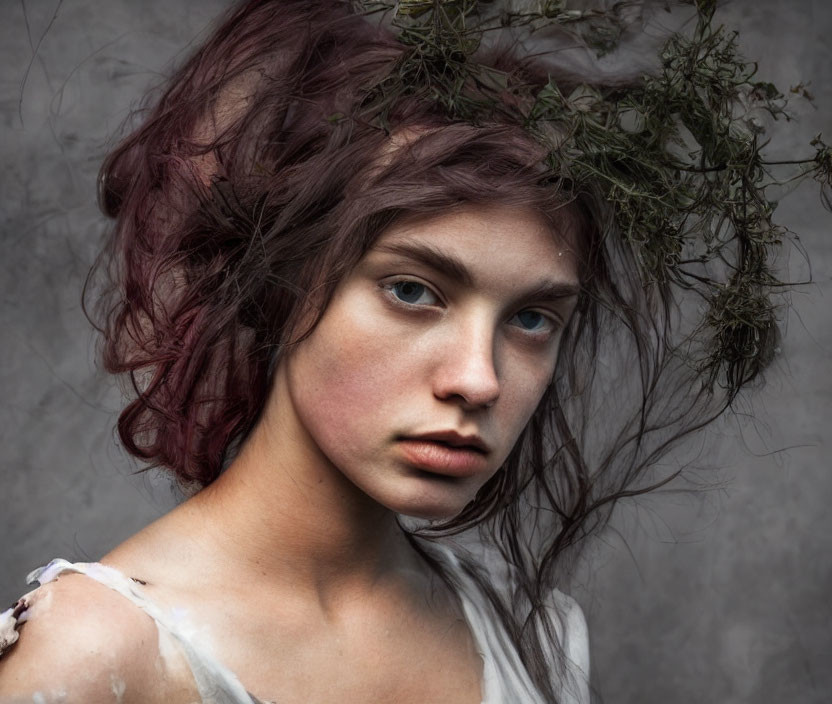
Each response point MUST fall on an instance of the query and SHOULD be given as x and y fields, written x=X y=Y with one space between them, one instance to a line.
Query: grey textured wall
x=721 y=598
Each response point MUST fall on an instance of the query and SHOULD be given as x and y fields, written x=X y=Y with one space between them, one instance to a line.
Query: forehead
x=500 y=242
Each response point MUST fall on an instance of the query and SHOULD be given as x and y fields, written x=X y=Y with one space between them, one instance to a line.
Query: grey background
x=719 y=597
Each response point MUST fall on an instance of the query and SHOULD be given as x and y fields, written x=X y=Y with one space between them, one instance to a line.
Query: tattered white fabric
x=9 y=621
x=215 y=682
x=504 y=677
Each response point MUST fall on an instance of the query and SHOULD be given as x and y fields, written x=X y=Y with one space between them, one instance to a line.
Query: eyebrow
x=552 y=291
x=432 y=257
x=454 y=269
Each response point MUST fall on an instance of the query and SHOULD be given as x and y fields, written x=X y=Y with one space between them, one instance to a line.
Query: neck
x=284 y=511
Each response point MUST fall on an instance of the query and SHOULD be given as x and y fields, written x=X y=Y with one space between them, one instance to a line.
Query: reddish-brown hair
x=254 y=183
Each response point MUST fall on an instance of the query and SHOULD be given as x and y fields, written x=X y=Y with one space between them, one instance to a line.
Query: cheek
x=523 y=391
x=346 y=377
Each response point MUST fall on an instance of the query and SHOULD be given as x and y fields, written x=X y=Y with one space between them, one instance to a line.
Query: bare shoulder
x=82 y=641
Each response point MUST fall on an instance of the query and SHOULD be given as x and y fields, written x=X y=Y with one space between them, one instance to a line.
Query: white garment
x=505 y=680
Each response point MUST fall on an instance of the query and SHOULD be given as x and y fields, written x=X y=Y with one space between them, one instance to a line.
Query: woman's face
x=433 y=354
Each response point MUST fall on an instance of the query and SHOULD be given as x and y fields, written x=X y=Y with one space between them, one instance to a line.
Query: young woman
x=346 y=303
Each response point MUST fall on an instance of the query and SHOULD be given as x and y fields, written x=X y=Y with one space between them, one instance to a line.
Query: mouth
x=452 y=439
x=445 y=454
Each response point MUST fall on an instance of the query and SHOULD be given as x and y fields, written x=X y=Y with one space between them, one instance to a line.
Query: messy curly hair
x=255 y=181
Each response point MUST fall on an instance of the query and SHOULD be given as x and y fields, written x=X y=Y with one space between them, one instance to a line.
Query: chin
x=430 y=513
x=435 y=506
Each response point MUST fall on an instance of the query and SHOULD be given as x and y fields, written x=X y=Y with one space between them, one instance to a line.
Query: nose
x=466 y=370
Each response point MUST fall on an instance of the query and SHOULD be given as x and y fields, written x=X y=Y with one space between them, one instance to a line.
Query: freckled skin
x=337 y=604
x=371 y=371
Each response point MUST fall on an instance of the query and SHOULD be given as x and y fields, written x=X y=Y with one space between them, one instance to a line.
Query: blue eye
x=531 y=319
x=534 y=321
x=413 y=293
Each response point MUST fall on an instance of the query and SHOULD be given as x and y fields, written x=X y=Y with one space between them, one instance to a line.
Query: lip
x=447 y=453
x=454 y=439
